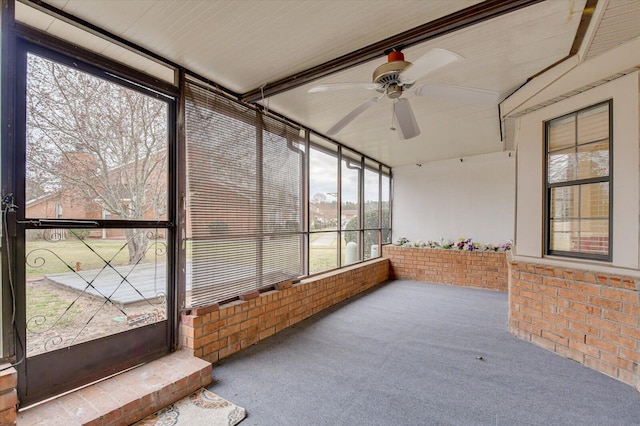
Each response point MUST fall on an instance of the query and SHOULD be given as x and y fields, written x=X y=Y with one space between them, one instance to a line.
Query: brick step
x=125 y=398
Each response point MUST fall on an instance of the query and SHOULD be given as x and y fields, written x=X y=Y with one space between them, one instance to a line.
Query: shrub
x=370 y=222
x=80 y=233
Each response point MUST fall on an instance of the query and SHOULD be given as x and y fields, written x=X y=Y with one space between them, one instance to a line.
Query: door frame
x=36 y=380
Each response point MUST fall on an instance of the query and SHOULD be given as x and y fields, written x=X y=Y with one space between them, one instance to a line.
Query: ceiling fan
x=395 y=77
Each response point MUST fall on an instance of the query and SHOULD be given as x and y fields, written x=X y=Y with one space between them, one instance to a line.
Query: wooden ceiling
x=251 y=47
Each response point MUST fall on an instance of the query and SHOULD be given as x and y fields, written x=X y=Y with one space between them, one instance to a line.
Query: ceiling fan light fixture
x=394 y=91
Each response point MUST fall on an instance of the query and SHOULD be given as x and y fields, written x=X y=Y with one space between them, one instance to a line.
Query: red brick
x=249 y=296
x=605 y=303
x=622 y=295
x=604 y=324
x=601 y=344
x=619 y=340
x=632 y=332
x=545 y=290
x=532 y=278
x=630 y=354
x=626 y=377
x=590 y=277
x=570 y=353
x=544 y=343
x=556 y=320
x=588 y=309
x=556 y=338
x=630 y=284
x=530 y=328
x=8 y=378
x=585 y=288
x=584 y=348
x=205 y=310
x=8 y=416
x=601 y=366
x=572 y=295
x=8 y=399
x=631 y=308
x=583 y=328
x=555 y=282
x=631 y=320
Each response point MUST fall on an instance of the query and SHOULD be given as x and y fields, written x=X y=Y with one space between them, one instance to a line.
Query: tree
x=96 y=141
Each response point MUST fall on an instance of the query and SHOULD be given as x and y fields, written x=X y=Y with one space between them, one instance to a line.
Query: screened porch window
x=269 y=202
x=578 y=183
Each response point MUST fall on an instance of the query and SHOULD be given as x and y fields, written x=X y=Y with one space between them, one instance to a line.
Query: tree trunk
x=137 y=243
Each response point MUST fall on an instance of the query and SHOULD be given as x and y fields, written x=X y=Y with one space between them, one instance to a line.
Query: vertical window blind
x=244 y=177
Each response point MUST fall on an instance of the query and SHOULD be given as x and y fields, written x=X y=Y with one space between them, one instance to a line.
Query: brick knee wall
x=216 y=332
x=8 y=395
x=476 y=269
x=591 y=318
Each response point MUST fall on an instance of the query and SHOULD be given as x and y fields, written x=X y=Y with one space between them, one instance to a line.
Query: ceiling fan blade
x=342 y=86
x=351 y=116
x=405 y=118
x=467 y=95
x=430 y=61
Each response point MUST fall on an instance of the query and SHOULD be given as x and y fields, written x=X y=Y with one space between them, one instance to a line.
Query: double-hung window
x=578 y=183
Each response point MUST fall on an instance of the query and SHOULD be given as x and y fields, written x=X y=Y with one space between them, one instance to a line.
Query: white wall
x=530 y=146
x=474 y=198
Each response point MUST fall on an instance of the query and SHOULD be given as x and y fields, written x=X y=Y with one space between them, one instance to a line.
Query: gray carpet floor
x=406 y=353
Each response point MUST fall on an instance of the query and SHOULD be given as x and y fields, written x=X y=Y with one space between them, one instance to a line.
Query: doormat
x=201 y=408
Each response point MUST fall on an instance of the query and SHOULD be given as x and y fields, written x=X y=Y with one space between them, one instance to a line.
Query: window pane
x=386 y=202
x=594 y=200
x=562 y=133
x=562 y=166
x=371 y=244
x=350 y=199
x=564 y=235
x=350 y=247
x=371 y=199
x=593 y=124
x=95 y=149
x=594 y=236
x=323 y=190
x=323 y=251
x=593 y=160
x=564 y=202
x=579 y=212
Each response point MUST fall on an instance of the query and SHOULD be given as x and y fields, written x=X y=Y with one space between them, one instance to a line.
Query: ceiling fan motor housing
x=388 y=75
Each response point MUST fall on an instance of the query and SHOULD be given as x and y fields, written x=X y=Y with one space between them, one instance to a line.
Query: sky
x=324 y=179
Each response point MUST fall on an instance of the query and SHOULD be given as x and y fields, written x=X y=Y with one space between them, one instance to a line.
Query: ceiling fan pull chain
x=393 y=118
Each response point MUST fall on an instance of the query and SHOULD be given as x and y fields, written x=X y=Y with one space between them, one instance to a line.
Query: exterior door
x=94 y=223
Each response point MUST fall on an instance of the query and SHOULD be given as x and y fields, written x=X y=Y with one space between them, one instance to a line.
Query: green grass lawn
x=44 y=257
x=45 y=309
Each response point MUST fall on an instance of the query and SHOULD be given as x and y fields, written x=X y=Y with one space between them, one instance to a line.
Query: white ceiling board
x=64 y=30
x=620 y=23
x=33 y=18
x=499 y=55
x=245 y=44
